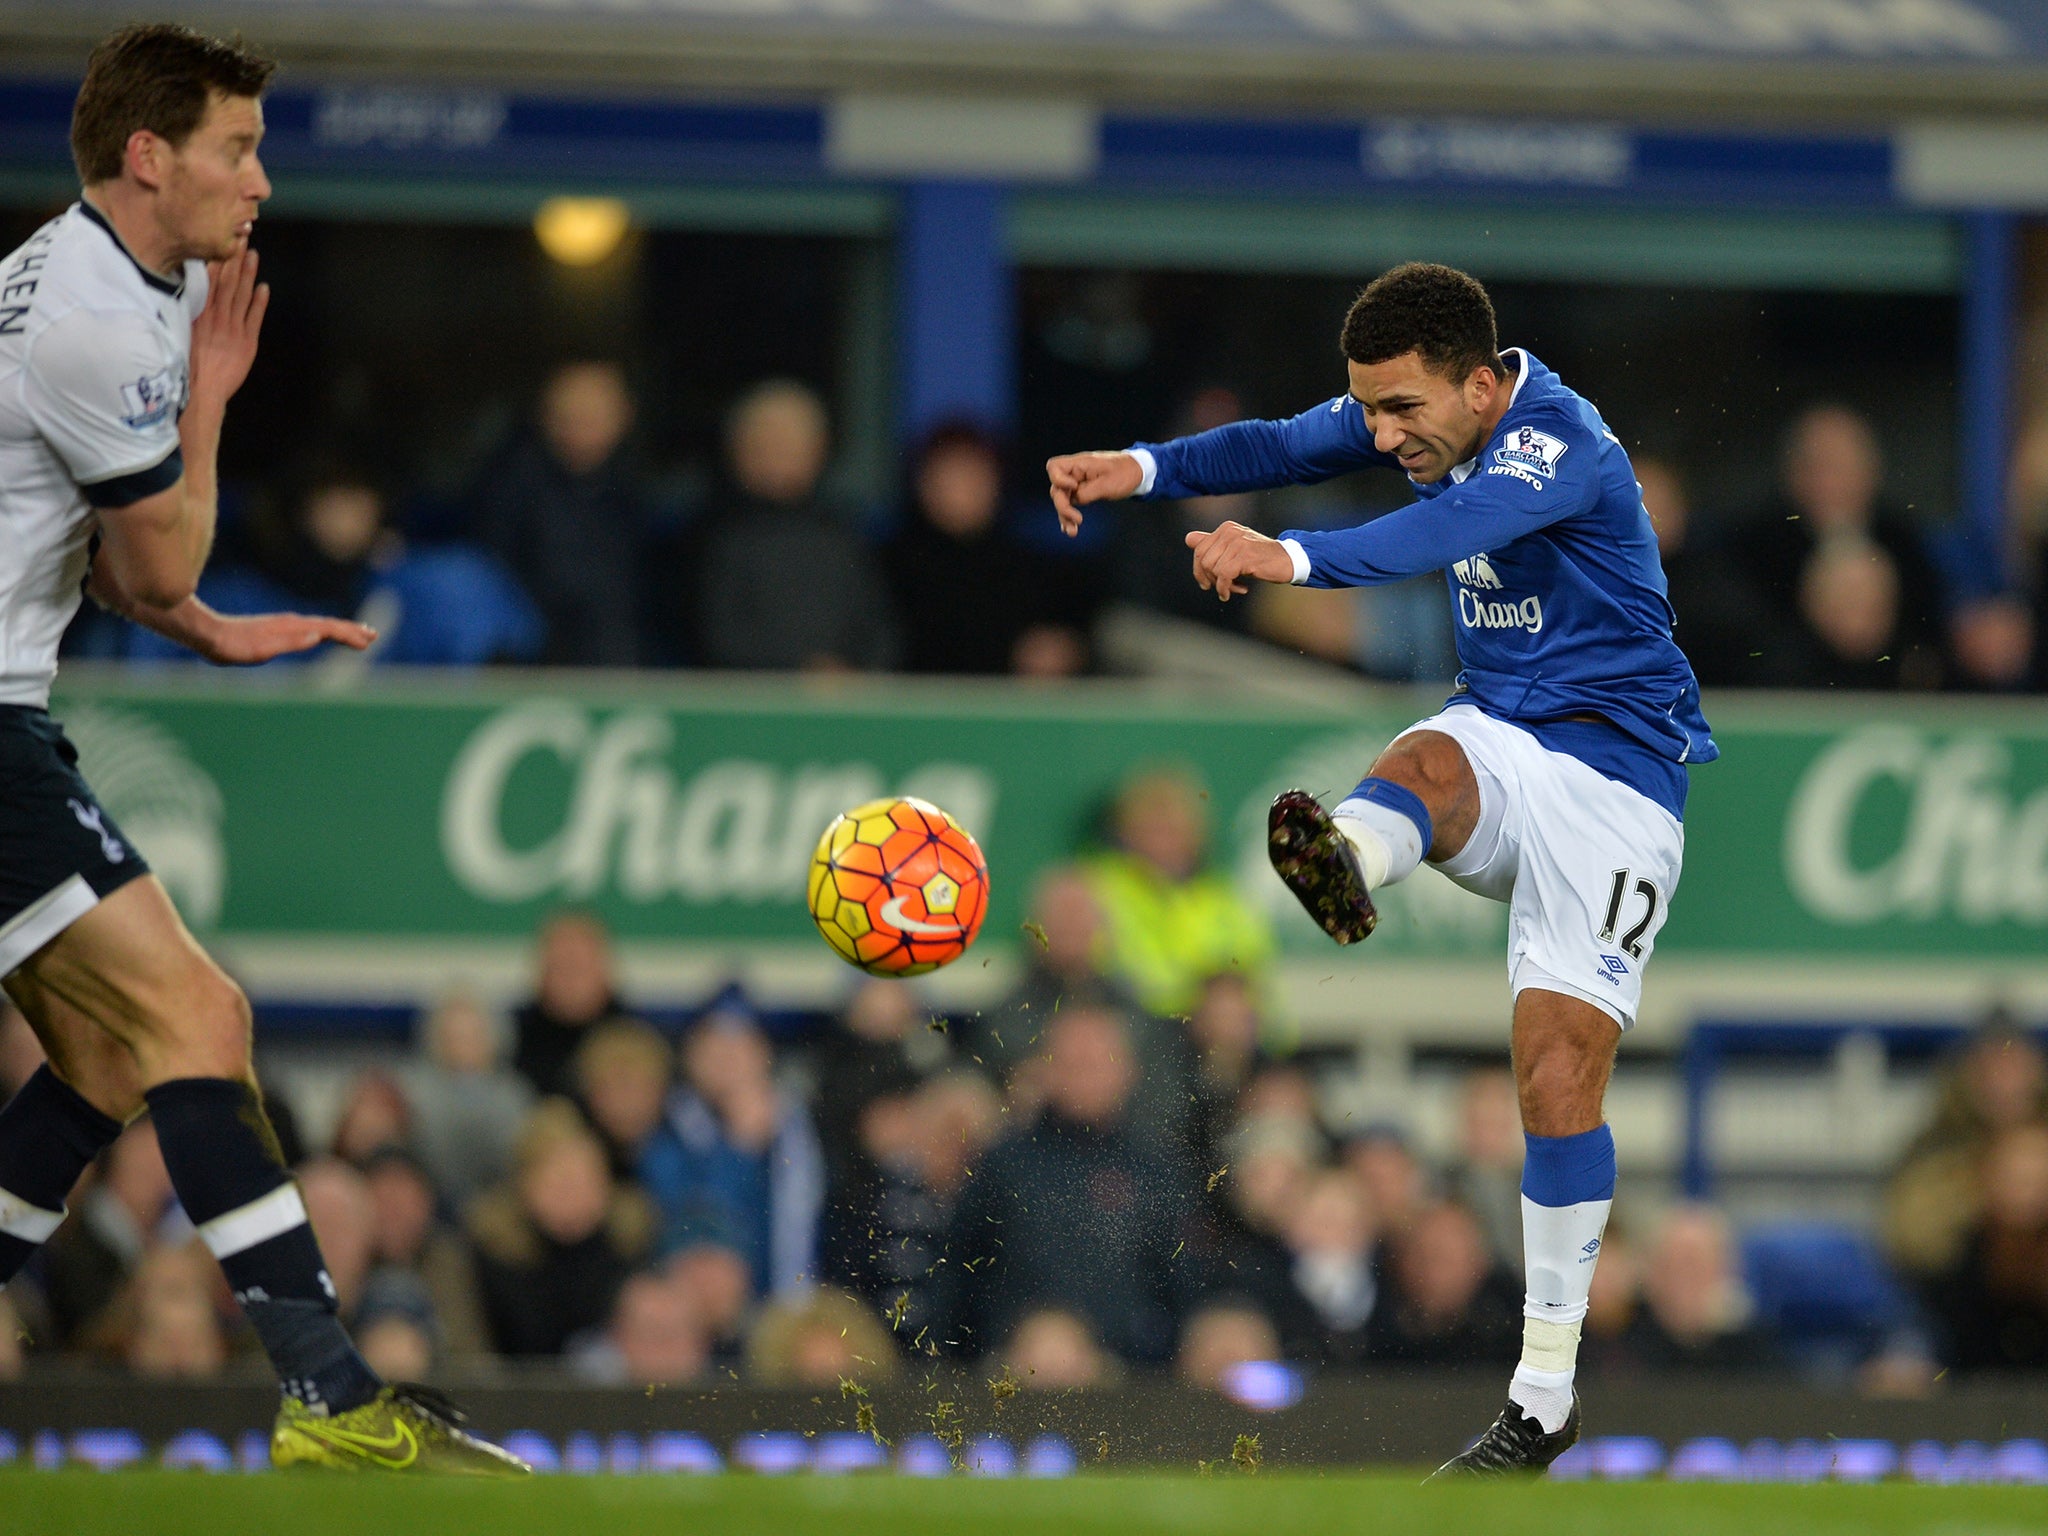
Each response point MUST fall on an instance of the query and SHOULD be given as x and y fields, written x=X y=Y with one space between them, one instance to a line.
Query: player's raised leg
x=1564 y=1054
x=1421 y=800
x=130 y=964
x=1426 y=798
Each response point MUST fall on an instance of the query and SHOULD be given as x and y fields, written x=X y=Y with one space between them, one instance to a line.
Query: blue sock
x=48 y=1137
x=230 y=1176
x=1568 y=1170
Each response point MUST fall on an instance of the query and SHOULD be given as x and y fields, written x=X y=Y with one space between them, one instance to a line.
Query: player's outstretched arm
x=228 y=640
x=1331 y=439
x=1233 y=555
x=1080 y=479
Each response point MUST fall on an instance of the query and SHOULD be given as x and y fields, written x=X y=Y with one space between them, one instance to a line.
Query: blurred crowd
x=565 y=549
x=1120 y=1166
x=1833 y=584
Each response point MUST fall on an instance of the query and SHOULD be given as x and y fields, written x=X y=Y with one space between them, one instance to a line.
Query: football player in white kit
x=126 y=323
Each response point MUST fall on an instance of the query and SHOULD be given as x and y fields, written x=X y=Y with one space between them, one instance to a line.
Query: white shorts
x=1586 y=864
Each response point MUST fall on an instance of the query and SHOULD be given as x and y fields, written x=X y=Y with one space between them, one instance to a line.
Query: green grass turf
x=1226 y=1504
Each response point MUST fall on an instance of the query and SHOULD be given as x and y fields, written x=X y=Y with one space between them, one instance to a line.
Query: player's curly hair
x=1436 y=311
x=159 y=76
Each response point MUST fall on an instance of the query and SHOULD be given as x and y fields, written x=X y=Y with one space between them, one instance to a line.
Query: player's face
x=1426 y=421
x=214 y=182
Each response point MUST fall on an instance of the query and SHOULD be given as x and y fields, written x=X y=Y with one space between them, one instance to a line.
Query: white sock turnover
x=1389 y=844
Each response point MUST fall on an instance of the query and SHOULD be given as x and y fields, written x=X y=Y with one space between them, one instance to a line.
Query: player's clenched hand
x=224 y=335
x=245 y=641
x=1233 y=554
x=1081 y=478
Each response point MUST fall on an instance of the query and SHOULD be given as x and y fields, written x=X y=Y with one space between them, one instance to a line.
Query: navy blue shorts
x=60 y=851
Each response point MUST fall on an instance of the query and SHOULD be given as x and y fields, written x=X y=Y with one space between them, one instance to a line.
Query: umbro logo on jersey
x=1613 y=968
x=1528 y=477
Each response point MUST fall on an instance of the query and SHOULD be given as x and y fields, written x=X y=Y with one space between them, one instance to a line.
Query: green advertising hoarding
x=686 y=811
x=679 y=812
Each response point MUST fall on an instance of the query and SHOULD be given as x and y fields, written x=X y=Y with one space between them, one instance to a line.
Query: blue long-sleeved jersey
x=1562 y=608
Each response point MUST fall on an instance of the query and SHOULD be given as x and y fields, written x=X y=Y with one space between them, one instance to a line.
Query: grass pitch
x=1093 y=1504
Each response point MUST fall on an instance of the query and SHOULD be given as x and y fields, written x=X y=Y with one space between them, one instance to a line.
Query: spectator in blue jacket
x=737 y=1161
x=447 y=606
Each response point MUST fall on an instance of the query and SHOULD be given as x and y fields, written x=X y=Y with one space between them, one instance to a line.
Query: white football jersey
x=94 y=353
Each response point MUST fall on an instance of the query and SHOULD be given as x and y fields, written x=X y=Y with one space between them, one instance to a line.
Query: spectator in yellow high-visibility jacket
x=1174 y=921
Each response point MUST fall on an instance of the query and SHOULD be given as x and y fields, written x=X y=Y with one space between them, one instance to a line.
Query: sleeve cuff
x=125 y=490
x=1300 y=558
x=1148 y=469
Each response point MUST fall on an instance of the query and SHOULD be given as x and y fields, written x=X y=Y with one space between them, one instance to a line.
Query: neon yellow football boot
x=404 y=1428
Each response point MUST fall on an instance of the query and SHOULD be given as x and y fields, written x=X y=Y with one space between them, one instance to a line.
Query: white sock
x=1560 y=1245
x=1389 y=844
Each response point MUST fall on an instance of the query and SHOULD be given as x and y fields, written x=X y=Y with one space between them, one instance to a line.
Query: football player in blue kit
x=1554 y=779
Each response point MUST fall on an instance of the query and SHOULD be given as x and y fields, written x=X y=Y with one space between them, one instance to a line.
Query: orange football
x=898 y=887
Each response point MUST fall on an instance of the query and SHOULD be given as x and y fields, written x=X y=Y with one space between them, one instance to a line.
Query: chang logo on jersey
x=1477 y=572
x=1476 y=612
x=150 y=400
x=1476 y=575
x=1530 y=451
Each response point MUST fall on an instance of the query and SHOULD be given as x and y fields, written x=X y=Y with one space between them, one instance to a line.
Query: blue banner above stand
x=410 y=131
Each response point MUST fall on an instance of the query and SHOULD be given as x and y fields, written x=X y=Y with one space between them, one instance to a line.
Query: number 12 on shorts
x=1632 y=941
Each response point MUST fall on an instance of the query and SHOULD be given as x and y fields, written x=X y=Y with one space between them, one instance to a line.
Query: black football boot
x=1514 y=1446
x=1319 y=865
